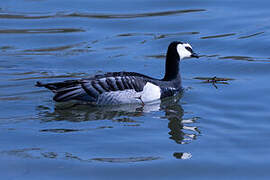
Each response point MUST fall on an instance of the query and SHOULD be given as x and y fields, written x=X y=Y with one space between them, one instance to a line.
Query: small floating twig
x=214 y=80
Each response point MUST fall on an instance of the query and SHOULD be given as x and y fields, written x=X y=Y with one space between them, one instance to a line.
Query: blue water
x=212 y=131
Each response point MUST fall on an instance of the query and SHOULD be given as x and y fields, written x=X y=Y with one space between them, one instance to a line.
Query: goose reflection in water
x=182 y=131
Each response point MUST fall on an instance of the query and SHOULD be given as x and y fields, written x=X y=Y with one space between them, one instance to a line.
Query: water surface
x=213 y=130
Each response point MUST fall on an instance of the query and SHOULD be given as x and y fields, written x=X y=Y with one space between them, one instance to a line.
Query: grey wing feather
x=90 y=89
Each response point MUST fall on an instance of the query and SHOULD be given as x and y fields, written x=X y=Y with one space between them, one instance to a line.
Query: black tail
x=64 y=91
x=49 y=85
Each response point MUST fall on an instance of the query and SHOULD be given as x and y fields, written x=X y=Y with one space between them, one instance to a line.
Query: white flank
x=129 y=96
x=150 y=92
x=182 y=51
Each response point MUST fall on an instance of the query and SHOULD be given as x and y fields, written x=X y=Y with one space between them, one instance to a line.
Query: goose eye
x=189 y=49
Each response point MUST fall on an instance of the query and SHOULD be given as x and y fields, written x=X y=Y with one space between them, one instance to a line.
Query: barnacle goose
x=125 y=87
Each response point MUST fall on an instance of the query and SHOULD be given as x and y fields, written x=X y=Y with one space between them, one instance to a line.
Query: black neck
x=172 y=65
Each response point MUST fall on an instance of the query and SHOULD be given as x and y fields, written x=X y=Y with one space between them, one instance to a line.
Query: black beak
x=194 y=55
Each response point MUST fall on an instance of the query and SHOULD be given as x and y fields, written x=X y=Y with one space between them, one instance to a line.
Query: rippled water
x=215 y=129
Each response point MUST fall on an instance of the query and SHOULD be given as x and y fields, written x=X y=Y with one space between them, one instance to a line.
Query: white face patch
x=182 y=51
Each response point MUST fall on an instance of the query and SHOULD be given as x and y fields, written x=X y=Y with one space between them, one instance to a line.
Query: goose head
x=181 y=50
x=176 y=51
